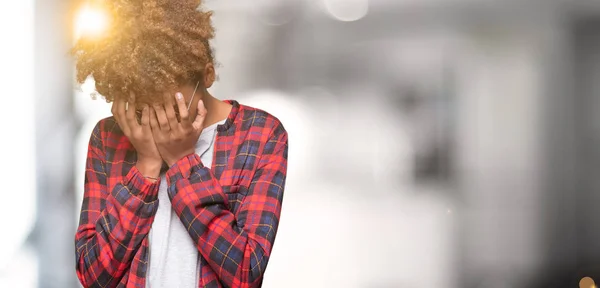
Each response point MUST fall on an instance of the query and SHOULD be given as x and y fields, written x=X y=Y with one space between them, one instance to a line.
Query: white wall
x=18 y=173
x=498 y=152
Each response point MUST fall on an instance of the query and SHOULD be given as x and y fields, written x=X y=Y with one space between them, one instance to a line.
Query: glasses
x=193 y=94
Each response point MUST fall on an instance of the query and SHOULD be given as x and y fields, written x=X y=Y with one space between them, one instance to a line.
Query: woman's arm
x=237 y=247
x=112 y=222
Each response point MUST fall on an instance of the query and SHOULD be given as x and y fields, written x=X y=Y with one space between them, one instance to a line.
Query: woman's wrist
x=150 y=169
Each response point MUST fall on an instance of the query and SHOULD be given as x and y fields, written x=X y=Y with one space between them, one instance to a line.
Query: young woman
x=181 y=189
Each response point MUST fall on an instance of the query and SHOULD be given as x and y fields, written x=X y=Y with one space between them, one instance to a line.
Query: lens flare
x=91 y=21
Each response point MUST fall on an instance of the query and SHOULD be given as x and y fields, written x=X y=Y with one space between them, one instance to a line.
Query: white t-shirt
x=173 y=259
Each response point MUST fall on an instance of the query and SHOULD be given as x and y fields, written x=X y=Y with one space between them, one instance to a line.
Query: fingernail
x=179 y=96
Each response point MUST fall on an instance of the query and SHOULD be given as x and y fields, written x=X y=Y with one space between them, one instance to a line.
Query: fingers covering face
x=164 y=116
x=145 y=119
x=161 y=116
x=118 y=111
x=181 y=106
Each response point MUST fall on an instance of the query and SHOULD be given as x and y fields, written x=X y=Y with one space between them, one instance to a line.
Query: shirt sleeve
x=237 y=247
x=113 y=222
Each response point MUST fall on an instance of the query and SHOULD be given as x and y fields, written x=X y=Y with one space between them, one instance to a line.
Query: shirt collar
x=232 y=115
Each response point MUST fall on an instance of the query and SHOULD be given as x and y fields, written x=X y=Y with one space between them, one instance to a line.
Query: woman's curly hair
x=150 y=47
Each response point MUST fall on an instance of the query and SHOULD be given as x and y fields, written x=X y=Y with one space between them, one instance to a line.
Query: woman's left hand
x=176 y=139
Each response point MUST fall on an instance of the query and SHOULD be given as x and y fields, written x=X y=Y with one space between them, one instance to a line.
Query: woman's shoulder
x=107 y=130
x=251 y=118
x=109 y=125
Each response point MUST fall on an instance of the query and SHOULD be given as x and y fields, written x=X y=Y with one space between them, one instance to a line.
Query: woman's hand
x=149 y=160
x=176 y=139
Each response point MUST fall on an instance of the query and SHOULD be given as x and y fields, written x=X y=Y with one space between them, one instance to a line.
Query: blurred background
x=433 y=143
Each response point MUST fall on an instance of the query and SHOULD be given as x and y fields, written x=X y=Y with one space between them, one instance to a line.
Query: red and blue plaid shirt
x=231 y=210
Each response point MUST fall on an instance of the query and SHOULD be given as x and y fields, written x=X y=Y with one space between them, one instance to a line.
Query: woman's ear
x=209 y=75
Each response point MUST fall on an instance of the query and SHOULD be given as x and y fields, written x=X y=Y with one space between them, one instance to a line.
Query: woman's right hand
x=139 y=134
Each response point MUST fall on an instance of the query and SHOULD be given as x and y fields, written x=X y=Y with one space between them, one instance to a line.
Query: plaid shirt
x=231 y=211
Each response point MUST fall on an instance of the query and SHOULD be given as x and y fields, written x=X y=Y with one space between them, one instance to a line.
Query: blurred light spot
x=587 y=282
x=90 y=21
x=347 y=10
x=449 y=211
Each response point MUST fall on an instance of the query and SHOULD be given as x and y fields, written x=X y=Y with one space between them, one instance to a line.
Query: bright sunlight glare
x=91 y=21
